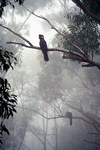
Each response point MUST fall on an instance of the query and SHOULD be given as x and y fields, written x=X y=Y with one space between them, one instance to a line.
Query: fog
x=47 y=90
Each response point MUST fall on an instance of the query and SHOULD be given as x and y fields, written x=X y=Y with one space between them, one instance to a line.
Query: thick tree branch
x=86 y=11
x=24 y=45
x=88 y=65
x=49 y=49
x=70 y=57
x=55 y=117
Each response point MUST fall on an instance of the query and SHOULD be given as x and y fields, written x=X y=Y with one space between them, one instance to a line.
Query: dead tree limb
x=17 y=34
x=92 y=142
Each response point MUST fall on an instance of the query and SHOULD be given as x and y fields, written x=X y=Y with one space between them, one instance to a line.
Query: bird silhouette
x=43 y=46
x=69 y=115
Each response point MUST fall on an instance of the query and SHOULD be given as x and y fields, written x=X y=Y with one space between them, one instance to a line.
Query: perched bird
x=69 y=115
x=43 y=46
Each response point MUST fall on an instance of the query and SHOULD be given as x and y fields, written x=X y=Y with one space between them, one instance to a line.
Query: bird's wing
x=43 y=45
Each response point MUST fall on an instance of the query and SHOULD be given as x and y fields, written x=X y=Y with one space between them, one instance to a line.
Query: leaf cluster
x=8 y=100
x=92 y=5
x=6 y=59
x=84 y=33
x=4 y=3
x=3 y=129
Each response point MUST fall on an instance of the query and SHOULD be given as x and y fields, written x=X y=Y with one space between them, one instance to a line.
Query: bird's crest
x=41 y=36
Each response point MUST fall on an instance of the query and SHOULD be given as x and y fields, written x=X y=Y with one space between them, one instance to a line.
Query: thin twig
x=17 y=34
x=92 y=142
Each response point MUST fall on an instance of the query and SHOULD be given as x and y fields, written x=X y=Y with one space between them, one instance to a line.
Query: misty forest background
x=35 y=95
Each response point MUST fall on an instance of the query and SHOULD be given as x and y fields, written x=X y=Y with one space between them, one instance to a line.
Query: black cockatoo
x=69 y=115
x=43 y=46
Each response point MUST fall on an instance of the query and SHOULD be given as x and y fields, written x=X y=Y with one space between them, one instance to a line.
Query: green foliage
x=8 y=100
x=83 y=32
x=4 y=3
x=92 y=5
x=5 y=60
x=3 y=128
x=19 y=1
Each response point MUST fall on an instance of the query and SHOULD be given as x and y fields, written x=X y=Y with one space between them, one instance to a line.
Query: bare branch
x=50 y=49
x=24 y=45
x=92 y=142
x=94 y=134
x=17 y=34
x=26 y=147
x=56 y=117
x=70 y=57
x=88 y=65
x=87 y=84
x=37 y=137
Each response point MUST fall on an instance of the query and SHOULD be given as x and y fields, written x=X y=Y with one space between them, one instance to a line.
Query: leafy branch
x=8 y=100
